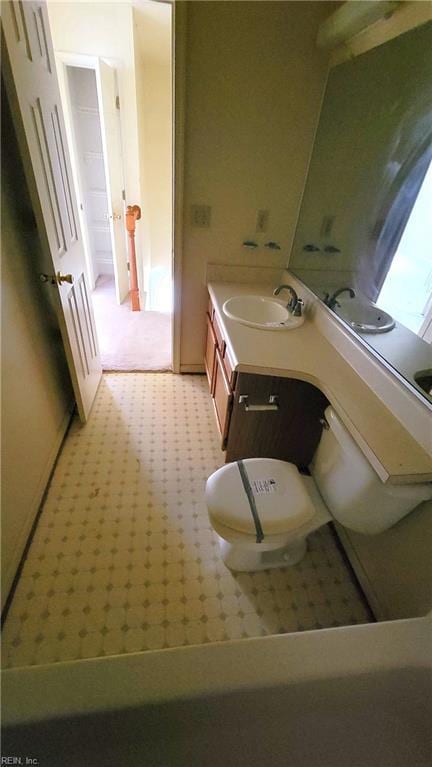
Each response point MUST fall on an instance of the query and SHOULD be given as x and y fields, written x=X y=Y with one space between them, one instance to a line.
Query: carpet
x=129 y=340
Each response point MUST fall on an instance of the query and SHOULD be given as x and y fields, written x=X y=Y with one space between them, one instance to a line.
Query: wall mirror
x=365 y=222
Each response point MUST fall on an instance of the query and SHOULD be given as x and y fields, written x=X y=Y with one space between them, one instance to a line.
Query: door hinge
x=117 y=102
x=123 y=194
x=128 y=266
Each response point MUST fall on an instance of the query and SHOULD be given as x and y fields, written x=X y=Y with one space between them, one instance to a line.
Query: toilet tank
x=352 y=490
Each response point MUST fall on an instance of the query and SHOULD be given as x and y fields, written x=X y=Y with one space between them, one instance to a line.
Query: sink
x=364 y=316
x=261 y=312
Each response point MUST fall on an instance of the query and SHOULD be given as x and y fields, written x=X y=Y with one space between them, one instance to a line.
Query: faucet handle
x=298 y=308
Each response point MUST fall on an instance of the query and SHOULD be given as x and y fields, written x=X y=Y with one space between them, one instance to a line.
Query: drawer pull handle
x=272 y=405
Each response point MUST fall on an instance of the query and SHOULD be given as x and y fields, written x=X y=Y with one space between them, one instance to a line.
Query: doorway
x=111 y=115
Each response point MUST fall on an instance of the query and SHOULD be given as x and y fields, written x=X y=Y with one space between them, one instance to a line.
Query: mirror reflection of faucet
x=331 y=300
x=362 y=314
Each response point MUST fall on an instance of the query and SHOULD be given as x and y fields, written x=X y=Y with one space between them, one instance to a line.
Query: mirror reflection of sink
x=261 y=312
x=364 y=316
x=423 y=378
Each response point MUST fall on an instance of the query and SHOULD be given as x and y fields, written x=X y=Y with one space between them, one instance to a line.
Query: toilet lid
x=281 y=498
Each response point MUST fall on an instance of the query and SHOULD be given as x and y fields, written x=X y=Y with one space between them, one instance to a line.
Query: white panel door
x=111 y=140
x=32 y=86
x=90 y=162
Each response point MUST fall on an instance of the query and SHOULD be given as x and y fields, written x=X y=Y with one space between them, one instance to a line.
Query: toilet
x=263 y=509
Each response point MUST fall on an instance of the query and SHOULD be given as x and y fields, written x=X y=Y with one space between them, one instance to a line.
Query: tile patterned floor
x=124 y=559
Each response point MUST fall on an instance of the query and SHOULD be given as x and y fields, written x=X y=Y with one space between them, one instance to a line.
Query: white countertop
x=305 y=354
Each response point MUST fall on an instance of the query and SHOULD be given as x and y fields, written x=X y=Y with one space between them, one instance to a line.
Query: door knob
x=64 y=278
x=57 y=278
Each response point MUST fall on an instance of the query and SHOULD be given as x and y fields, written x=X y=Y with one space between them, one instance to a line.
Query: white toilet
x=263 y=519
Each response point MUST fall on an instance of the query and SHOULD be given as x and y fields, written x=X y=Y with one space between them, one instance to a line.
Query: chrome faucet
x=295 y=303
x=331 y=301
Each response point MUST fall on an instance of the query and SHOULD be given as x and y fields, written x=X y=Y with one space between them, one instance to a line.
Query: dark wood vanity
x=259 y=415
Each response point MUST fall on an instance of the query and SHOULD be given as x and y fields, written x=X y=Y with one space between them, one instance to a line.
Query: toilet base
x=244 y=560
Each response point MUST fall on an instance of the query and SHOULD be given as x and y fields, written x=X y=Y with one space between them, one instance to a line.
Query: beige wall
x=254 y=84
x=143 y=226
x=36 y=390
x=157 y=158
x=152 y=35
x=105 y=30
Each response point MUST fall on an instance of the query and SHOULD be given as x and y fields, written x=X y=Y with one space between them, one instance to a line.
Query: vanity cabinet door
x=223 y=398
x=290 y=433
x=210 y=354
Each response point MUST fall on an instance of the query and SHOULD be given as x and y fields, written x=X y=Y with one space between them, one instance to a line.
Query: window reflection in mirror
x=407 y=289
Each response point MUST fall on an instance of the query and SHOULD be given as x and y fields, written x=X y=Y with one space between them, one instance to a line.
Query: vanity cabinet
x=275 y=417
x=261 y=416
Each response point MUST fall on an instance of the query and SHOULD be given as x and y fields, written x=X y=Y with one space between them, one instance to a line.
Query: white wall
x=36 y=390
x=106 y=30
x=254 y=84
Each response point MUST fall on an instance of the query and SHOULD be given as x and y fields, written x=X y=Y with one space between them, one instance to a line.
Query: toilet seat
x=281 y=498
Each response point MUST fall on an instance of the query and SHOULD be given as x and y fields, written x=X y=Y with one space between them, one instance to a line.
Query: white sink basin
x=261 y=312
x=364 y=316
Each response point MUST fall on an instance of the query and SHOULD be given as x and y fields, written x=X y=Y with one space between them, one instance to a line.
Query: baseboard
x=8 y=579
x=192 y=368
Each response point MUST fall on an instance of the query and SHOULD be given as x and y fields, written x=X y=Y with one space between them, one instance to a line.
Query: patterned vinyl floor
x=124 y=559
